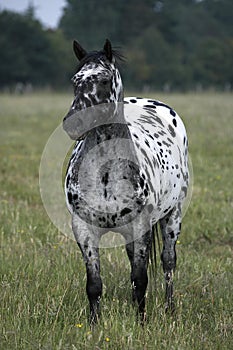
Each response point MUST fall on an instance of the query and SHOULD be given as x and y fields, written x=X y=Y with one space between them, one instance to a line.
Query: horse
x=127 y=173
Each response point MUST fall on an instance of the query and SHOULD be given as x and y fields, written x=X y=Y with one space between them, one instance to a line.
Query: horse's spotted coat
x=143 y=179
x=161 y=148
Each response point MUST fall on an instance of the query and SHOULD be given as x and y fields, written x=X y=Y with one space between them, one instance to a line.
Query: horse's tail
x=153 y=251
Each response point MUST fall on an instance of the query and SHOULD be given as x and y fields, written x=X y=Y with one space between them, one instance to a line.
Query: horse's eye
x=105 y=82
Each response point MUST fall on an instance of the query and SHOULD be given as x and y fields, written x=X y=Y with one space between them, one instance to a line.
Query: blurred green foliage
x=170 y=45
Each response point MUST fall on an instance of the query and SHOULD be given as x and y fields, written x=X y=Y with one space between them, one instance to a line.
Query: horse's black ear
x=80 y=53
x=108 y=50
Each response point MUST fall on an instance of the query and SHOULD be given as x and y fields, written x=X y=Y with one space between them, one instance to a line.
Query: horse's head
x=97 y=81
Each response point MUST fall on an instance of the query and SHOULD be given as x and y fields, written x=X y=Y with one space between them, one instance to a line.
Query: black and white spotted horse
x=136 y=177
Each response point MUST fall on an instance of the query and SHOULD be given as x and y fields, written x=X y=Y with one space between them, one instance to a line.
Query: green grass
x=43 y=299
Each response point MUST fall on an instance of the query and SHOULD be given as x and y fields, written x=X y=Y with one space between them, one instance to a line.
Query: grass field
x=43 y=303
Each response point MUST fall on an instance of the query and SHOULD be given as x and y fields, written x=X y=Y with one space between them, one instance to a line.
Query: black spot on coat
x=125 y=211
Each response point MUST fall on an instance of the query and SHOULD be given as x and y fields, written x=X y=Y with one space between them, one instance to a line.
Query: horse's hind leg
x=170 y=227
x=89 y=245
x=138 y=253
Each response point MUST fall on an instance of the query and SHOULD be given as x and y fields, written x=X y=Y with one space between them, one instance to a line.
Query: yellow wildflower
x=79 y=325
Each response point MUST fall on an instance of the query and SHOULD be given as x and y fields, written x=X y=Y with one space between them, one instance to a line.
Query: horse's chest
x=105 y=189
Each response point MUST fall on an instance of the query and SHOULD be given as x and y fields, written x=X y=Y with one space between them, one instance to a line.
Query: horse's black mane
x=96 y=56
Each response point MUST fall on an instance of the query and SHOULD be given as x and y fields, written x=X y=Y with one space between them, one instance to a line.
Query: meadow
x=43 y=302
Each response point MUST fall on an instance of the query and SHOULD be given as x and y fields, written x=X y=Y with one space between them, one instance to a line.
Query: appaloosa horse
x=128 y=171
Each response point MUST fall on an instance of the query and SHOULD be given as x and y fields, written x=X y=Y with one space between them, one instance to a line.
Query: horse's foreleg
x=94 y=283
x=138 y=252
x=170 y=227
x=130 y=253
x=89 y=245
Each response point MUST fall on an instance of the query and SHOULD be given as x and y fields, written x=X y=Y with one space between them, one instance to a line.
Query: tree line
x=171 y=45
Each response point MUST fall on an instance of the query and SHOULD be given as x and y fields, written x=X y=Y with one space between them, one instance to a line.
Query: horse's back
x=167 y=114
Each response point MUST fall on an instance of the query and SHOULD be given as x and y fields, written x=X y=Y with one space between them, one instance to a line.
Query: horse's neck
x=110 y=130
x=107 y=122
